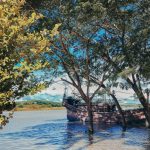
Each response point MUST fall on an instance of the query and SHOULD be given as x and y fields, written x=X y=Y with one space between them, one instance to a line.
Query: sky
x=56 y=91
x=58 y=88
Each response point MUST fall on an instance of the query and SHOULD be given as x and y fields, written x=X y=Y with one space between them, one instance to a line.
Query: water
x=50 y=130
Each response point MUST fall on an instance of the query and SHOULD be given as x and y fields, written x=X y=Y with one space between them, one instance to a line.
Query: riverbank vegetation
x=37 y=105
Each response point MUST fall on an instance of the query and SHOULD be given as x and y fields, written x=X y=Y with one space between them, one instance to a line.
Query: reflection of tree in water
x=138 y=137
x=147 y=147
x=64 y=135
x=78 y=133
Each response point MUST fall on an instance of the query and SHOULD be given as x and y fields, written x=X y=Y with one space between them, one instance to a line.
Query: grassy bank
x=37 y=105
x=47 y=105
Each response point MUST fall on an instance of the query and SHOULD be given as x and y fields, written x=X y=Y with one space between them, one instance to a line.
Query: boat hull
x=101 y=113
x=135 y=115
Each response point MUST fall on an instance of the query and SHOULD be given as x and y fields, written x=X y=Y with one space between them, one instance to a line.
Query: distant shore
x=38 y=105
x=48 y=105
x=37 y=108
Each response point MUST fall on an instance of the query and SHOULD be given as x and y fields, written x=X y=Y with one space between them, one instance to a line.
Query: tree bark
x=124 y=125
x=142 y=100
x=90 y=115
x=145 y=109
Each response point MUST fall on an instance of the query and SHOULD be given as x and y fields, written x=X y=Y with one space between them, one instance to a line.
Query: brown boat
x=102 y=112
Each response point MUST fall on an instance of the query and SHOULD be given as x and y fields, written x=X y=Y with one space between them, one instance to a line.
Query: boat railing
x=72 y=107
x=95 y=108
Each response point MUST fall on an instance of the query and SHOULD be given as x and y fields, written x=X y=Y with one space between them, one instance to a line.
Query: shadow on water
x=64 y=135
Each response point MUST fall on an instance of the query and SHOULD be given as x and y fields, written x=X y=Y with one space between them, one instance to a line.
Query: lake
x=50 y=130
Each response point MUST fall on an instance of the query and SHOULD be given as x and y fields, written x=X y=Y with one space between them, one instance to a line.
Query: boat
x=103 y=112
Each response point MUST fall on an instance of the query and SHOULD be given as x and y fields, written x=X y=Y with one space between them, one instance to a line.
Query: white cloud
x=58 y=87
x=123 y=94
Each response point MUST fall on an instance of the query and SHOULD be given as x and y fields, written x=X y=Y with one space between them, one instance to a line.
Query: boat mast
x=65 y=92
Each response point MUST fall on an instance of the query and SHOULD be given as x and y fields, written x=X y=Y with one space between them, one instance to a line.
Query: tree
x=75 y=53
x=127 y=44
x=20 y=53
x=122 y=40
x=76 y=61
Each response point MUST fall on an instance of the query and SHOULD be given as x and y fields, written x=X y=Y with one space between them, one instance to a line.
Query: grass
x=38 y=105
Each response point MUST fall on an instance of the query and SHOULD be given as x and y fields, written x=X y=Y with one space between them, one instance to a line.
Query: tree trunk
x=124 y=125
x=144 y=103
x=147 y=115
x=149 y=118
x=148 y=107
x=146 y=110
x=90 y=115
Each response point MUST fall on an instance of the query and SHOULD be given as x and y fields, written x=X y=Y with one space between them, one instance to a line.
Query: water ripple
x=59 y=134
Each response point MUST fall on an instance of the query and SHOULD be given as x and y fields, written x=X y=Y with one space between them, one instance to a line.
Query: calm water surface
x=50 y=130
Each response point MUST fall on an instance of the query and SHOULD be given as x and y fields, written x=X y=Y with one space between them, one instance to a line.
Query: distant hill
x=59 y=97
x=42 y=96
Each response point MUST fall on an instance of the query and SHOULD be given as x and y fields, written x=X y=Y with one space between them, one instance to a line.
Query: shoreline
x=39 y=109
x=38 y=105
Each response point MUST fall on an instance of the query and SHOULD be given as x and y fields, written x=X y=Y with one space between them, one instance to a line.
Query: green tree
x=73 y=51
x=117 y=32
x=120 y=37
x=21 y=50
x=127 y=44
x=122 y=41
